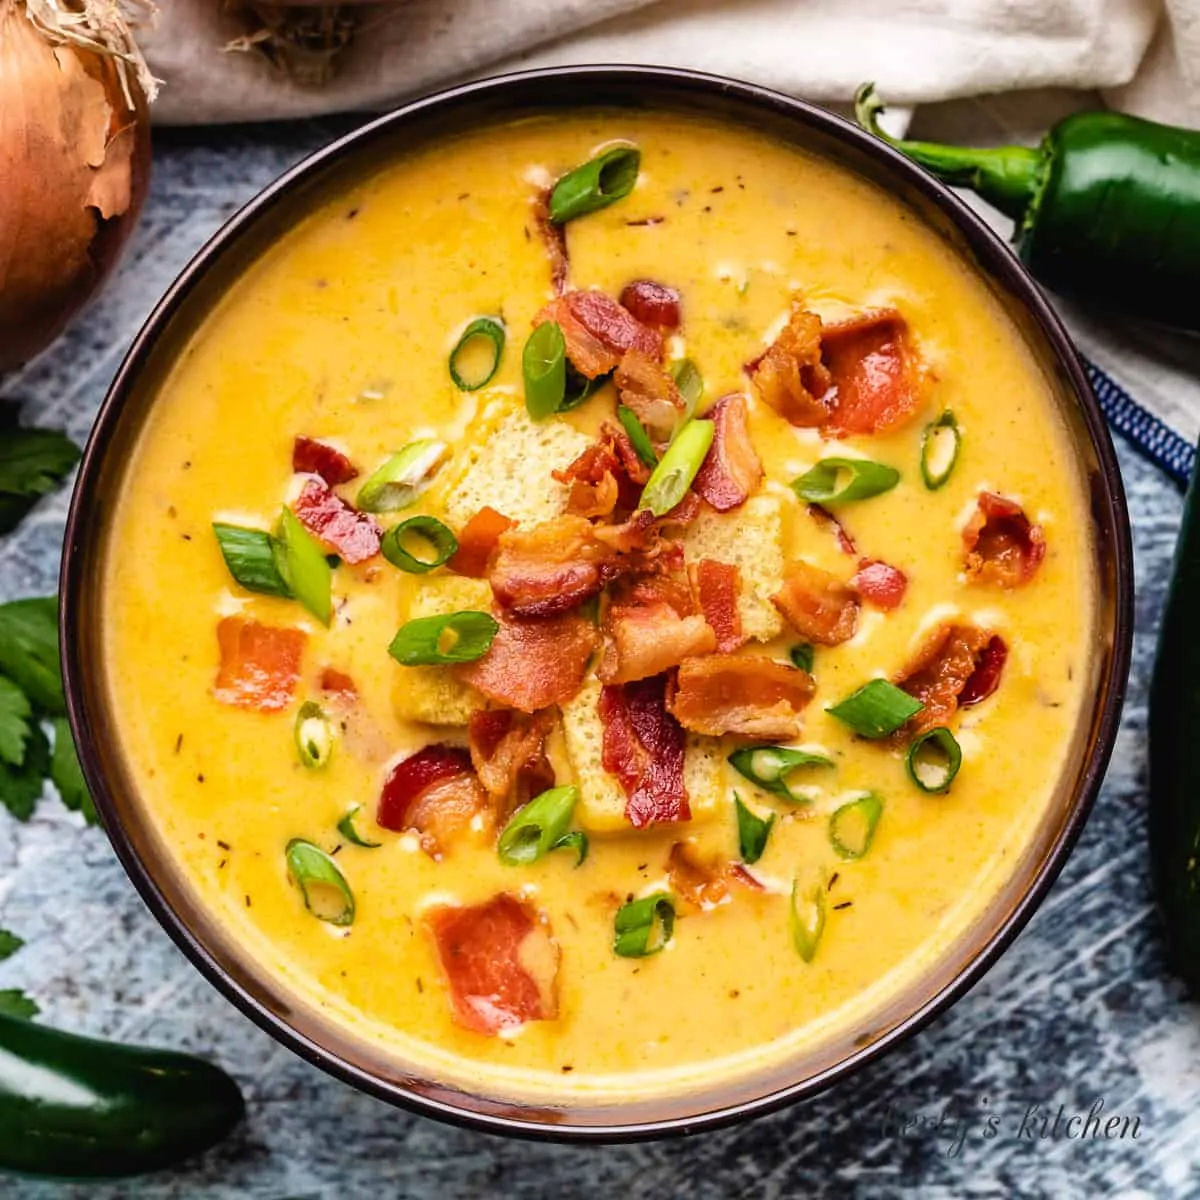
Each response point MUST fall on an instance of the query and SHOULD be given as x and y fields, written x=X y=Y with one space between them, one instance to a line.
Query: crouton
x=508 y=466
x=751 y=539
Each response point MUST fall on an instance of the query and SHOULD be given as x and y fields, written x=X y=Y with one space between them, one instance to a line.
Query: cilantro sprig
x=33 y=462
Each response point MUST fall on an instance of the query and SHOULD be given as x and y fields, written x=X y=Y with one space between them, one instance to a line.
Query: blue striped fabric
x=1158 y=442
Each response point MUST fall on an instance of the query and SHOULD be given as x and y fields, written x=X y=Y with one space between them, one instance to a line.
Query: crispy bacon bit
x=533 y=664
x=554 y=238
x=874 y=377
x=477 y=542
x=790 y=375
x=817 y=605
x=717 y=585
x=985 y=679
x=508 y=750
x=311 y=457
x=750 y=695
x=648 y=639
x=592 y=480
x=500 y=962
x=879 y=583
x=732 y=470
x=1002 y=545
x=434 y=793
x=739 y=872
x=338 y=686
x=704 y=884
x=635 y=470
x=654 y=304
x=638 y=535
x=646 y=387
x=353 y=535
x=551 y=567
x=260 y=664
x=823 y=516
x=939 y=674
x=644 y=747
x=685 y=512
x=598 y=331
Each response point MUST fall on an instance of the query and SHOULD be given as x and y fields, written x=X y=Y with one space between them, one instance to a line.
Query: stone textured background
x=1079 y=1009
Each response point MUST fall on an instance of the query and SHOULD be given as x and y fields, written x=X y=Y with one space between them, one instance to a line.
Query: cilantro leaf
x=29 y=651
x=32 y=463
x=14 y=1003
x=21 y=787
x=15 y=712
x=66 y=775
x=9 y=944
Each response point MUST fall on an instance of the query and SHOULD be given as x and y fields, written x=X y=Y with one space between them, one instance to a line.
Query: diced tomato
x=353 y=535
x=875 y=385
x=750 y=695
x=477 y=542
x=1002 y=545
x=260 y=664
x=654 y=304
x=880 y=584
x=732 y=470
x=717 y=585
x=817 y=605
x=312 y=457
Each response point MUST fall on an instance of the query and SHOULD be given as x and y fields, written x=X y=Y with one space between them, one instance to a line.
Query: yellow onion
x=74 y=161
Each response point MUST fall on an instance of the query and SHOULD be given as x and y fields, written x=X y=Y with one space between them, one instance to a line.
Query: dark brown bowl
x=237 y=244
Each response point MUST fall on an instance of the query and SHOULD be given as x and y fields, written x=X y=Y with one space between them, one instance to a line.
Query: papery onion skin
x=74 y=168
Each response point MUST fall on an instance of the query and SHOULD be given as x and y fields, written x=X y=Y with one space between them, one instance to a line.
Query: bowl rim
x=998 y=260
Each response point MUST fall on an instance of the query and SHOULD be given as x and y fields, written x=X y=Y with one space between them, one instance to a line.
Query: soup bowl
x=95 y=723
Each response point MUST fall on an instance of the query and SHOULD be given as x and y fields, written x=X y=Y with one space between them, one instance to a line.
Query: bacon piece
x=635 y=470
x=648 y=639
x=551 y=567
x=717 y=584
x=941 y=671
x=750 y=695
x=823 y=516
x=338 y=686
x=704 y=884
x=732 y=470
x=353 y=535
x=433 y=792
x=477 y=542
x=554 y=238
x=592 y=480
x=311 y=457
x=985 y=679
x=598 y=331
x=643 y=747
x=647 y=389
x=1002 y=545
x=879 y=583
x=875 y=384
x=533 y=664
x=790 y=376
x=260 y=664
x=508 y=750
x=654 y=304
x=500 y=962
x=817 y=605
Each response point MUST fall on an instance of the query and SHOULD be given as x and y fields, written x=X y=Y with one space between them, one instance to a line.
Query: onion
x=74 y=160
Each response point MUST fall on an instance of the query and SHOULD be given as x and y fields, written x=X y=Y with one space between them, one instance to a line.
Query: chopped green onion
x=876 y=709
x=314 y=736
x=427 y=529
x=753 y=831
x=538 y=827
x=401 y=479
x=576 y=840
x=852 y=827
x=579 y=388
x=674 y=474
x=596 y=184
x=827 y=482
x=807 y=913
x=771 y=766
x=346 y=828
x=643 y=927
x=326 y=893
x=449 y=638
x=301 y=561
x=482 y=329
x=939 y=450
x=544 y=366
x=933 y=760
x=250 y=556
x=690 y=383
x=802 y=655
x=638 y=437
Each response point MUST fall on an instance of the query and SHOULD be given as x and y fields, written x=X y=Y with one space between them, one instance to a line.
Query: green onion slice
x=876 y=709
x=427 y=529
x=643 y=927
x=770 y=767
x=346 y=828
x=326 y=893
x=841 y=480
x=852 y=827
x=315 y=736
x=939 y=450
x=398 y=483
x=807 y=913
x=537 y=827
x=753 y=831
x=544 y=366
x=596 y=184
x=250 y=556
x=448 y=638
x=802 y=655
x=481 y=330
x=673 y=476
x=933 y=760
x=638 y=437
x=576 y=840
x=690 y=383
x=301 y=560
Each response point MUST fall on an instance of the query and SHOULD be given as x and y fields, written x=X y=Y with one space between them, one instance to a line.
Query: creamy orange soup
x=505 y=975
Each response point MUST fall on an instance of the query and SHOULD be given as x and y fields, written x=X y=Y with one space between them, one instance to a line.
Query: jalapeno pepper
x=1107 y=207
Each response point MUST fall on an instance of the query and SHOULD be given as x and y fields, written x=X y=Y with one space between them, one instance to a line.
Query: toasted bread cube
x=751 y=539
x=601 y=807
